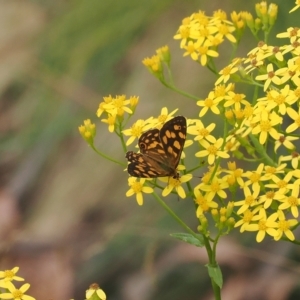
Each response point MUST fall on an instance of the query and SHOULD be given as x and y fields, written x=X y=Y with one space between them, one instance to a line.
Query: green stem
x=172 y=213
x=262 y=151
x=172 y=87
x=121 y=136
x=108 y=157
x=212 y=261
x=170 y=76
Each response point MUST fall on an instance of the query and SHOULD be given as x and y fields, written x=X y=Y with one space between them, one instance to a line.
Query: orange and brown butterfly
x=160 y=151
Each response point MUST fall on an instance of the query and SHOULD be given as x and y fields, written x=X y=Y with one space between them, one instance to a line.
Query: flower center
x=248 y=216
x=292 y=201
x=17 y=294
x=212 y=149
x=137 y=187
x=283 y=225
x=9 y=274
x=265 y=125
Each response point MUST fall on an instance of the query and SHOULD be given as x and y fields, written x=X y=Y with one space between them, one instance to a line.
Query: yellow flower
x=210 y=103
x=164 y=54
x=174 y=183
x=270 y=77
x=254 y=178
x=192 y=49
x=202 y=29
x=154 y=65
x=265 y=225
x=94 y=289
x=291 y=72
x=234 y=173
x=284 y=227
x=164 y=116
x=294 y=158
x=285 y=141
x=118 y=106
x=279 y=100
x=204 y=204
x=225 y=30
x=248 y=217
x=292 y=32
x=232 y=144
x=102 y=105
x=294 y=116
x=235 y=99
x=88 y=131
x=261 y=52
x=9 y=275
x=269 y=196
x=282 y=184
x=137 y=187
x=291 y=202
x=183 y=33
x=249 y=201
x=204 y=52
x=237 y=20
x=134 y=100
x=226 y=73
x=216 y=187
x=248 y=18
x=254 y=64
x=202 y=132
x=16 y=294
x=220 y=15
x=221 y=90
x=270 y=171
x=137 y=129
x=111 y=121
x=265 y=127
x=212 y=150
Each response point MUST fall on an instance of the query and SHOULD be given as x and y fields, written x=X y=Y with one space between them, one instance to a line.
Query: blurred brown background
x=64 y=217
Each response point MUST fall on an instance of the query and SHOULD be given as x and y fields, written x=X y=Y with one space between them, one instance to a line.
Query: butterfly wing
x=151 y=146
x=172 y=137
x=143 y=166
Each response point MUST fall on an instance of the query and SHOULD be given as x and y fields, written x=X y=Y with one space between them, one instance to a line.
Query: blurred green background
x=64 y=217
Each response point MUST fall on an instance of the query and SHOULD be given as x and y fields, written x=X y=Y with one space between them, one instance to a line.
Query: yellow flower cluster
x=272 y=191
x=155 y=64
x=88 y=131
x=263 y=131
x=201 y=35
x=115 y=108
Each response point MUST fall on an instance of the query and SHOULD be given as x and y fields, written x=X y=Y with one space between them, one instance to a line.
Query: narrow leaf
x=190 y=239
x=216 y=274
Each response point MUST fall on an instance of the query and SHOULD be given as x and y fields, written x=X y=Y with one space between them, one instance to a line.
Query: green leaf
x=216 y=274
x=190 y=239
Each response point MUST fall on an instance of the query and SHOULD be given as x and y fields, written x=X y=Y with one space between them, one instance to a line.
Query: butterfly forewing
x=172 y=136
x=150 y=145
x=160 y=151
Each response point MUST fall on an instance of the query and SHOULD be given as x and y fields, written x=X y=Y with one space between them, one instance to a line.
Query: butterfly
x=160 y=151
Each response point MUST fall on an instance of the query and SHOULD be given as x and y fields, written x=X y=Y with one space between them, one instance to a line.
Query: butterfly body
x=160 y=151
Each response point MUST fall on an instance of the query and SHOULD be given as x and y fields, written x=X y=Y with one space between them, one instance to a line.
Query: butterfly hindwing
x=141 y=167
